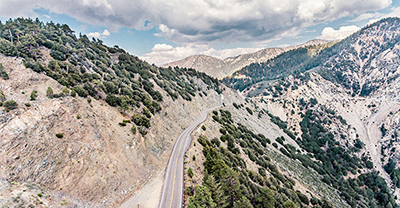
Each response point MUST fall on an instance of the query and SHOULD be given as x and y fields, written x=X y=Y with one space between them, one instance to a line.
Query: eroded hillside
x=338 y=110
x=92 y=123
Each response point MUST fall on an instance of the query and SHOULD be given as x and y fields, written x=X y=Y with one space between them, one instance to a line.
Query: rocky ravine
x=364 y=116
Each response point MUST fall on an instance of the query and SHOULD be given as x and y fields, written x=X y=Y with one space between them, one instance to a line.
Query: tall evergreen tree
x=202 y=198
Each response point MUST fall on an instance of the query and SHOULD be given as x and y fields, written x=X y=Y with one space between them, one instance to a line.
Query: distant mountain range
x=221 y=68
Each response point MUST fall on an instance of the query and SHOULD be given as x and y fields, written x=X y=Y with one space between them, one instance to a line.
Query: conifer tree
x=201 y=199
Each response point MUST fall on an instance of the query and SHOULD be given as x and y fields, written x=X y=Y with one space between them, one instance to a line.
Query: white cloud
x=162 y=47
x=222 y=54
x=376 y=16
x=104 y=34
x=395 y=12
x=329 y=33
x=366 y=16
x=201 y=21
x=163 y=53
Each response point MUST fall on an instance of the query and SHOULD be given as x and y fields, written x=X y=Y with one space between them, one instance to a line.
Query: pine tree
x=265 y=198
x=211 y=184
x=201 y=199
x=243 y=203
x=230 y=187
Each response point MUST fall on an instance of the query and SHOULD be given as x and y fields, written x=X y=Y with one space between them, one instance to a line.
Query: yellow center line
x=176 y=162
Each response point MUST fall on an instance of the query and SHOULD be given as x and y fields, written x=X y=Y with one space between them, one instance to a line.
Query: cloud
x=104 y=34
x=164 y=53
x=366 y=16
x=329 y=33
x=201 y=21
x=222 y=54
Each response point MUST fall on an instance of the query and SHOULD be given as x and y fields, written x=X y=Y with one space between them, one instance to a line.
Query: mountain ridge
x=221 y=68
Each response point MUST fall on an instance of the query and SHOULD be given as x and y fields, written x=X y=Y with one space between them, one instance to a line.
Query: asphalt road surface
x=172 y=194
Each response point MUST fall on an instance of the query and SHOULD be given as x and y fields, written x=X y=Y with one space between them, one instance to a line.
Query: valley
x=83 y=124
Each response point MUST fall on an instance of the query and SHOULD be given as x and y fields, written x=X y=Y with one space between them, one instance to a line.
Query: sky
x=161 y=31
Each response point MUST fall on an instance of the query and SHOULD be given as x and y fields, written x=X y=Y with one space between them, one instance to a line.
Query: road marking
x=184 y=134
x=176 y=162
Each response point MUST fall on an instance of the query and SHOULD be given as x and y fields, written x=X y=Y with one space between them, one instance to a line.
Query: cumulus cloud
x=329 y=33
x=104 y=34
x=164 y=53
x=201 y=21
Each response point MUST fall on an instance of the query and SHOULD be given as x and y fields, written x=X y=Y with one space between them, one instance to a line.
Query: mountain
x=83 y=124
x=335 y=97
x=221 y=68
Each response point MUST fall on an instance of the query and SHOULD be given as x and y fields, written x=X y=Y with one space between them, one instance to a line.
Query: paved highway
x=172 y=194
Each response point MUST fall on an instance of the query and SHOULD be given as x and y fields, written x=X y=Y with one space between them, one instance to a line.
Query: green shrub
x=203 y=127
x=113 y=100
x=33 y=95
x=2 y=96
x=10 y=105
x=275 y=145
x=73 y=93
x=49 y=92
x=4 y=75
x=142 y=131
x=216 y=142
x=65 y=90
x=133 y=129
x=59 y=135
x=146 y=112
x=141 y=120
x=249 y=110
x=80 y=91
x=27 y=104
x=190 y=172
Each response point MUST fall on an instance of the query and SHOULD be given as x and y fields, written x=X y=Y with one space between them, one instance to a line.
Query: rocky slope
x=97 y=162
x=92 y=124
x=221 y=68
x=347 y=99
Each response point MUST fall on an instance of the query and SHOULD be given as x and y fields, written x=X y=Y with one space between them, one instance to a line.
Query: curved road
x=171 y=196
